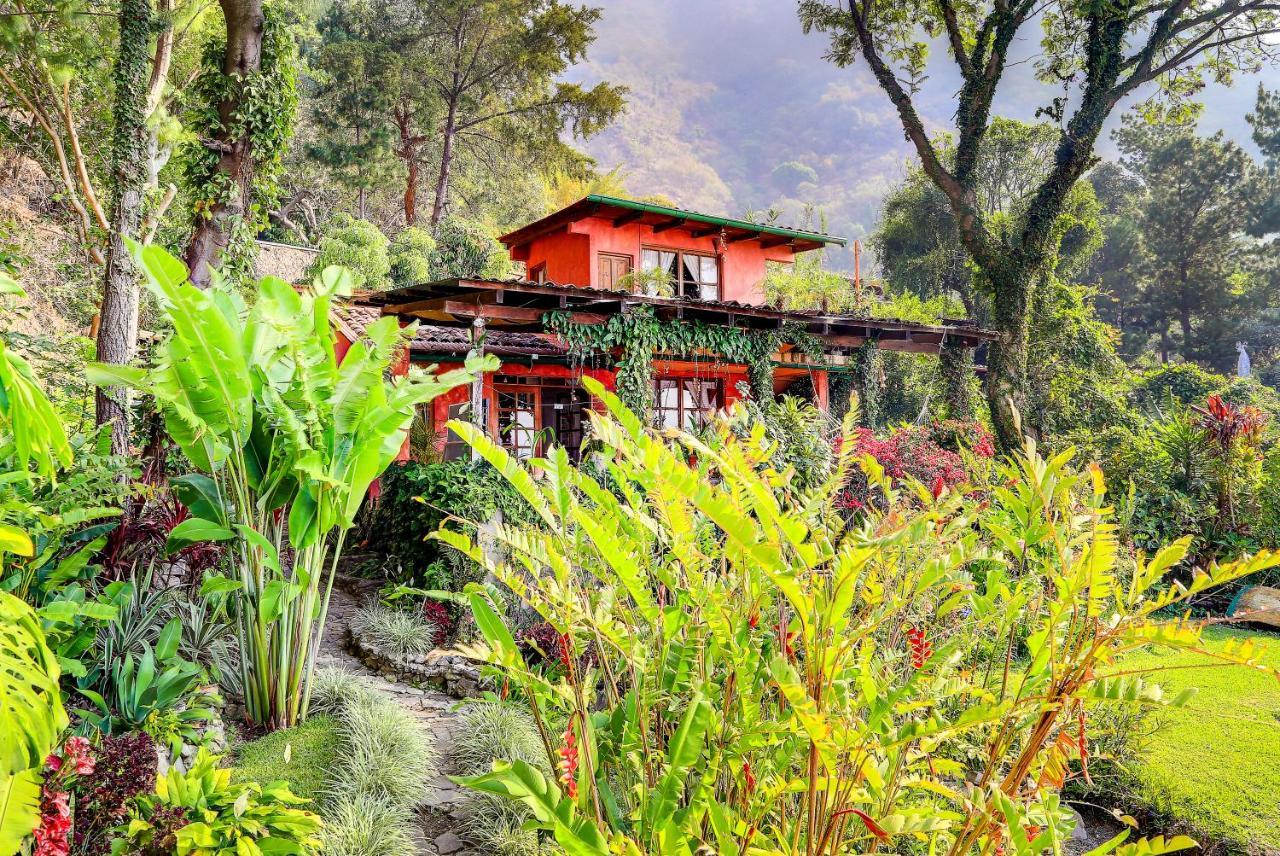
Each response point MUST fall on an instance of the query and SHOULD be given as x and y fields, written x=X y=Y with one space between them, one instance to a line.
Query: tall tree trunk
x=243 y=56
x=411 y=192
x=118 y=318
x=1007 y=356
x=446 y=162
x=408 y=152
x=1184 y=312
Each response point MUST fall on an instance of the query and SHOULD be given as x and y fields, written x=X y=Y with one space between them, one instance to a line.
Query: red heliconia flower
x=753 y=620
x=53 y=834
x=77 y=752
x=939 y=487
x=569 y=762
x=749 y=777
x=1032 y=832
x=921 y=647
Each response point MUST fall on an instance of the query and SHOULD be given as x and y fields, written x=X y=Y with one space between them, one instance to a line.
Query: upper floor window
x=610 y=270
x=694 y=275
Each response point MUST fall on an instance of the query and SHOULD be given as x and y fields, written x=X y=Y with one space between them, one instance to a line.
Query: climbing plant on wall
x=866 y=371
x=956 y=364
x=638 y=334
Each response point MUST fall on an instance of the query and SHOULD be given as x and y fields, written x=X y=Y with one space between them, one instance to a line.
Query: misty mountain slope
x=734 y=108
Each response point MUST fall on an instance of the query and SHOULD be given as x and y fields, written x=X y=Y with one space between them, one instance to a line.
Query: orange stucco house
x=576 y=262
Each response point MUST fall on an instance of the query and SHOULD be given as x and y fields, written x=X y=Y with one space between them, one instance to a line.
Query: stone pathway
x=441 y=812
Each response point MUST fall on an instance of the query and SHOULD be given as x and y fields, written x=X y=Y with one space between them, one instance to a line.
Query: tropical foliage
x=777 y=681
x=218 y=817
x=286 y=442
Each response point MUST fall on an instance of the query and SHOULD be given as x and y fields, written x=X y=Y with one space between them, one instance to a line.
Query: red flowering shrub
x=908 y=451
x=439 y=616
x=125 y=767
x=539 y=643
x=542 y=645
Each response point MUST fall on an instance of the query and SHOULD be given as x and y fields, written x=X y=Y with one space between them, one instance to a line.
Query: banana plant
x=286 y=441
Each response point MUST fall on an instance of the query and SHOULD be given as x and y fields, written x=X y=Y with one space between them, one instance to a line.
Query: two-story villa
x=577 y=261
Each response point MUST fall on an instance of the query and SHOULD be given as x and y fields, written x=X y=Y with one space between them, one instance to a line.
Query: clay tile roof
x=353 y=318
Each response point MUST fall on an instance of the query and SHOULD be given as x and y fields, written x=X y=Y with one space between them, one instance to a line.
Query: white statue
x=1243 y=366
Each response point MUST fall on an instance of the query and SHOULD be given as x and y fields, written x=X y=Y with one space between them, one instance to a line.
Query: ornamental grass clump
x=769 y=678
x=285 y=441
x=365 y=824
x=387 y=752
x=398 y=631
x=497 y=731
x=385 y=761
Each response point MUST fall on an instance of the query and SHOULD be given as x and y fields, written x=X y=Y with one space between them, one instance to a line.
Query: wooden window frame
x=627 y=257
x=508 y=441
x=538 y=273
x=681 y=410
x=680 y=254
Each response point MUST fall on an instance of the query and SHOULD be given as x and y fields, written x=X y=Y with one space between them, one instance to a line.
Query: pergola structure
x=521 y=306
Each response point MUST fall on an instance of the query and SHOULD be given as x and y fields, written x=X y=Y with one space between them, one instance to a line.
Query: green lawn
x=1215 y=763
x=312 y=752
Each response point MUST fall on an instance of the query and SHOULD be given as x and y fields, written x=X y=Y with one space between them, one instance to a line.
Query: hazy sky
x=724 y=91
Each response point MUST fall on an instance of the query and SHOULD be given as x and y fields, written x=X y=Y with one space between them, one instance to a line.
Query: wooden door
x=610 y=268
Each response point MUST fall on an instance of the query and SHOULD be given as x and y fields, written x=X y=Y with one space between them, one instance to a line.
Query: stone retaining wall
x=447 y=671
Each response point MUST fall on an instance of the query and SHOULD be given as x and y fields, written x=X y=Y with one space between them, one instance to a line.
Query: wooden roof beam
x=745 y=236
x=707 y=232
x=674 y=223
x=629 y=217
x=778 y=241
x=503 y=313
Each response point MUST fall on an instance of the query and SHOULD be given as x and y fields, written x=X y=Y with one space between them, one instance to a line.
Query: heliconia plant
x=746 y=672
x=286 y=439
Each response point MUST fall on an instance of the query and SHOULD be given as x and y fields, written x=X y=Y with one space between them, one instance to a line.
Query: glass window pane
x=649 y=259
x=669 y=264
x=690 y=269
x=709 y=272
x=709 y=292
x=703 y=394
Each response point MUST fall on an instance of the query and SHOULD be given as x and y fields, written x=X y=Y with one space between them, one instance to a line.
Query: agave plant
x=765 y=680
x=287 y=441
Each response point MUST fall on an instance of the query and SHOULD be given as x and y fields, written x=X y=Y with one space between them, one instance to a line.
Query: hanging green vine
x=956 y=366
x=839 y=387
x=866 y=371
x=638 y=334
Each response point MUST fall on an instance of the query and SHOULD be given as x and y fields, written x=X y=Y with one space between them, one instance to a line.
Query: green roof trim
x=728 y=222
